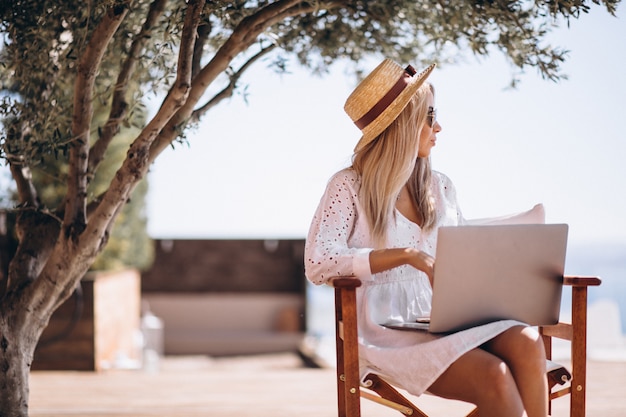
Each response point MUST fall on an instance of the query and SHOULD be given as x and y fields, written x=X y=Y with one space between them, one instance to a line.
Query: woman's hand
x=385 y=259
x=424 y=262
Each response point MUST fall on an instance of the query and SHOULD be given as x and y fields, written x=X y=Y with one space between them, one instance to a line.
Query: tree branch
x=136 y=164
x=230 y=88
x=240 y=40
x=203 y=35
x=119 y=106
x=76 y=197
x=20 y=170
x=25 y=188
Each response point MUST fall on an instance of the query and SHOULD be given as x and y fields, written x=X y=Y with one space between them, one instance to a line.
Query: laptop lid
x=488 y=273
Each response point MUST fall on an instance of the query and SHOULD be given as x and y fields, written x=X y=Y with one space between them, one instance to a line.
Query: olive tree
x=60 y=60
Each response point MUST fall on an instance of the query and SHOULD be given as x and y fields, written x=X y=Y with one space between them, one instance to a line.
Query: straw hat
x=378 y=100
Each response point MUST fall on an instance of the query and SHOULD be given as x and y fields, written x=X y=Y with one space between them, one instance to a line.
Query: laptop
x=490 y=273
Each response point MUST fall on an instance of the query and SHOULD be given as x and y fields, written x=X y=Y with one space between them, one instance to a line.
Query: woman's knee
x=520 y=345
x=531 y=347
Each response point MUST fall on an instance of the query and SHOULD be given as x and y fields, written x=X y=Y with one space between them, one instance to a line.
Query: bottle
x=152 y=334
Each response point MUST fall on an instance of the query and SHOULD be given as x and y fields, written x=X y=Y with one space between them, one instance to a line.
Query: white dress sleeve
x=330 y=250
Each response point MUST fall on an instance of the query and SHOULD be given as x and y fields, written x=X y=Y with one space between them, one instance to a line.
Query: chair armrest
x=580 y=281
x=344 y=282
x=574 y=281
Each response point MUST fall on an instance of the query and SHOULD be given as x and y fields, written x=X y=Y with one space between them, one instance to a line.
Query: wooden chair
x=350 y=389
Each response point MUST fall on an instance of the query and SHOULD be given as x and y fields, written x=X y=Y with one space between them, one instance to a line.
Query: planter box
x=105 y=333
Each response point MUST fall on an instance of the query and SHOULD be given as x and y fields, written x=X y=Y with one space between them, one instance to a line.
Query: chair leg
x=341 y=386
x=348 y=397
x=579 y=352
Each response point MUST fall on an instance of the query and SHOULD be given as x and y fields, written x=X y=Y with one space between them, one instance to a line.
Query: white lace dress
x=338 y=244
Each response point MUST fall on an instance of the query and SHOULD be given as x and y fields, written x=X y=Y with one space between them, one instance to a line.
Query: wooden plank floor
x=261 y=386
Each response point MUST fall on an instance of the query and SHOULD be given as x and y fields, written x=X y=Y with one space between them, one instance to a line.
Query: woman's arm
x=327 y=253
x=385 y=259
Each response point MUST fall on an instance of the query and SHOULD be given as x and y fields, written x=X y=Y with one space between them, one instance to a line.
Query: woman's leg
x=523 y=351
x=481 y=378
x=503 y=378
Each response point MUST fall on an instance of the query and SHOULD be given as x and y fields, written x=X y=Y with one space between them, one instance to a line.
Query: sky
x=258 y=169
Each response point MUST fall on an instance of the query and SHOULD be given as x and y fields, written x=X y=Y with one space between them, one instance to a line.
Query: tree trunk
x=17 y=346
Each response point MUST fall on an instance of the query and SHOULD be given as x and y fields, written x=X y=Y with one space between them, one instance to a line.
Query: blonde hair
x=390 y=162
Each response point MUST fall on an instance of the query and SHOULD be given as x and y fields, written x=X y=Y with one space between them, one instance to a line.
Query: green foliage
x=424 y=32
x=42 y=43
x=40 y=60
x=43 y=40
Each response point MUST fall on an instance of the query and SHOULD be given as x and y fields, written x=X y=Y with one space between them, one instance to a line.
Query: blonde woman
x=378 y=221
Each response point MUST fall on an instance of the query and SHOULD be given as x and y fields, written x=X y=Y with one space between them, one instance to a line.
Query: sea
x=606 y=314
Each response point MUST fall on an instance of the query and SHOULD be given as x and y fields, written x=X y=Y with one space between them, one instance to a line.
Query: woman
x=378 y=221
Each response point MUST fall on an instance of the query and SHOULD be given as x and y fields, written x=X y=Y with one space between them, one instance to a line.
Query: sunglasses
x=431 y=116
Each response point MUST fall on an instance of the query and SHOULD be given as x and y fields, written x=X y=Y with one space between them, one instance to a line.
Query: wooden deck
x=261 y=386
